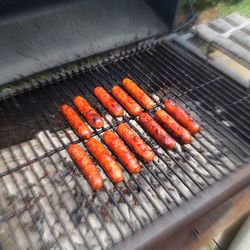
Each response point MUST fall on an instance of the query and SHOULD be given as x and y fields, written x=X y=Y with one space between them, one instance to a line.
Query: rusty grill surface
x=45 y=201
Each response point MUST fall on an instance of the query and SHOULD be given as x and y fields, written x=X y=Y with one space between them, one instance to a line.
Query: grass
x=242 y=7
x=223 y=8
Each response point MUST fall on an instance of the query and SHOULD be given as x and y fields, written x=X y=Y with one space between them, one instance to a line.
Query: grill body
x=47 y=203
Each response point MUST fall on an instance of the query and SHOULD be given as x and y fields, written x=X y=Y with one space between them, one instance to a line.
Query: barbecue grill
x=46 y=203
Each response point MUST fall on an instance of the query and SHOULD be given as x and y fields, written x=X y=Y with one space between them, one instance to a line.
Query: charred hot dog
x=75 y=121
x=138 y=93
x=135 y=142
x=182 y=117
x=104 y=158
x=129 y=103
x=108 y=102
x=122 y=152
x=86 y=165
x=172 y=126
x=158 y=133
x=93 y=118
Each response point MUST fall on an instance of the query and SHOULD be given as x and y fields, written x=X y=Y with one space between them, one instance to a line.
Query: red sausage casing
x=138 y=93
x=122 y=152
x=158 y=133
x=86 y=165
x=104 y=158
x=135 y=142
x=172 y=126
x=182 y=117
x=93 y=118
x=108 y=102
x=75 y=121
x=129 y=103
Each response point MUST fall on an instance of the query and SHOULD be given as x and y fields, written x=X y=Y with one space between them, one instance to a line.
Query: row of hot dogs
x=175 y=120
x=105 y=159
x=114 y=108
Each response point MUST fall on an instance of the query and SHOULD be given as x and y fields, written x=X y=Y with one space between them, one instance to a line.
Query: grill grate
x=45 y=202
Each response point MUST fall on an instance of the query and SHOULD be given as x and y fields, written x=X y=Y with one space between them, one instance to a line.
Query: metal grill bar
x=166 y=94
x=219 y=97
x=98 y=220
x=206 y=138
x=110 y=126
x=56 y=166
x=203 y=96
x=241 y=92
x=142 y=172
x=177 y=152
x=79 y=185
x=198 y=185
x=125 y=183
x=43 y=190
x=69 y=99
x=159 y=73
x=23 y=197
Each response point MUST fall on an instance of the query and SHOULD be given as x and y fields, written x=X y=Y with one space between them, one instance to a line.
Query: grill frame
x=214 y=195
x=182 y=222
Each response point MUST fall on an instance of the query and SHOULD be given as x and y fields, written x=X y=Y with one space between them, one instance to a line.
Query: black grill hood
x=39 y=35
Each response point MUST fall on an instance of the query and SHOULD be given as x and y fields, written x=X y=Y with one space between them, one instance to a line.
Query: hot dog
x=182 y=117
x=135 y=142
x=172 y=126
x=93 y=118
x=86 y=165
x=159 y=134
x=108 y=102
x=104 y=158
x=122 y=152
x=75 y=121
x=138 y=94
x=129 y=103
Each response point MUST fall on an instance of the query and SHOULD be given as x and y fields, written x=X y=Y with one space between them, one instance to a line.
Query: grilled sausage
x=75 y=121
x=159 y=134
x=108 y=102
x=102 y=155
x=172 y=126
x=93 y=118
x=138 y=94
x=135 y=142
x=182 y=117
x=86 y=165
x=122 y=152
x=129 y=103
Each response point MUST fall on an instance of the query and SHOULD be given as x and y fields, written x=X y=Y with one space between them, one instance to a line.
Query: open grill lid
x=38 y=35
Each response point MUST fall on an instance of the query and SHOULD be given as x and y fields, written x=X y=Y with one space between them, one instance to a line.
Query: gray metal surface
x=225 y=44
x=224 y=33
x=43 y=38
x=226 y=65
x=157 y=236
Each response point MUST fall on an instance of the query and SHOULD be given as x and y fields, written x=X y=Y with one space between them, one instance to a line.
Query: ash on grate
x=55 y=203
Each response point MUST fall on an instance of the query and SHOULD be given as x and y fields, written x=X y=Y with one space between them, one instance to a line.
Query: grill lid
x=38 y=35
